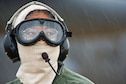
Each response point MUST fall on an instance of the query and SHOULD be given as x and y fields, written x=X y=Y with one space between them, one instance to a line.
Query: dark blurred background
x=98 y=45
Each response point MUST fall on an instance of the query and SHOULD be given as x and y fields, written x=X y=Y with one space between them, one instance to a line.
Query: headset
x=9 y=42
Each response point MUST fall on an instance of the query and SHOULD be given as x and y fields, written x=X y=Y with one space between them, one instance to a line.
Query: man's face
x=40 y=26
x=38 y=15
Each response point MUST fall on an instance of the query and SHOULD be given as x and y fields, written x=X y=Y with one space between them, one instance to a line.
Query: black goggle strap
x=13 y=32
x=69 y=34
x=8 y=27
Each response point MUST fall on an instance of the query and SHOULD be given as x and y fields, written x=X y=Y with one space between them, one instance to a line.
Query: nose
x=41 y=39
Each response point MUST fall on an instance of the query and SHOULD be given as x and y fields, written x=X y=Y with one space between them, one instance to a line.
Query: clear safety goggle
x=30 y=31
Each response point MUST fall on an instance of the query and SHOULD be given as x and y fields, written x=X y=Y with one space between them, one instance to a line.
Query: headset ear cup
x=10 y=47
x=64 y=48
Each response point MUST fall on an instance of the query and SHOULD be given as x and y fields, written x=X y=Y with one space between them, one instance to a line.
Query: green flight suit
x=66 y=77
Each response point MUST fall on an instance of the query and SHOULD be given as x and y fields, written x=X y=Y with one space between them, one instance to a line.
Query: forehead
x=39 y=14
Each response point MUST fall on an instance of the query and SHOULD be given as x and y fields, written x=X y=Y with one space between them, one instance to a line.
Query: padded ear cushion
x=64 y=48
x=10 y=47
